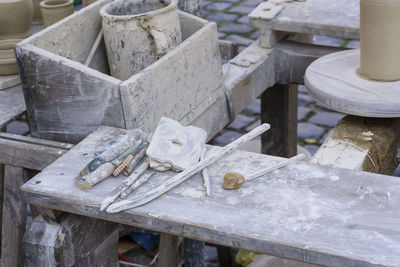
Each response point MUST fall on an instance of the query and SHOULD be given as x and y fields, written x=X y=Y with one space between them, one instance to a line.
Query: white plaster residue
x=369 y=133
x=302 y=167
x=285 y=19
x=190 y=192
x=318 y=173
x=334 y=178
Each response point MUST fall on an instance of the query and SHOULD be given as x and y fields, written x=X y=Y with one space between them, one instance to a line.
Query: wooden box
x=67 y=100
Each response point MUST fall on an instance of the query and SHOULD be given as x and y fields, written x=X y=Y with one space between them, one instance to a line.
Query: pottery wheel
x=333 y=81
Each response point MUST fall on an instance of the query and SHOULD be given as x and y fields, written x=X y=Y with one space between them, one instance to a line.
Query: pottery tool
x=205 y=175
x=235 y=180
x=137 y=158
x=115 y=153
x=94 y=48
x=122 y=166
x=186 y=174
x=143 y=167
x=87 y=181
x=141 y=180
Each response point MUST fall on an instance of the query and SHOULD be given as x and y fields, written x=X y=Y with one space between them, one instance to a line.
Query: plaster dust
x=380 y=39
x=292 y=209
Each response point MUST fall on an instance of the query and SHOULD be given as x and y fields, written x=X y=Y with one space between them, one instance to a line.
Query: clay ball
x=233 y=180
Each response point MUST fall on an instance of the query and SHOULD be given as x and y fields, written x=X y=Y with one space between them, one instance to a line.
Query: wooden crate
x=67 y=100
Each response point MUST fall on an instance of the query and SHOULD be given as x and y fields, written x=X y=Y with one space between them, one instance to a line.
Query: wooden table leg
x=70 y=240
x=13 y=217
x=168 y=250
x=194 y=253
x=279 y=108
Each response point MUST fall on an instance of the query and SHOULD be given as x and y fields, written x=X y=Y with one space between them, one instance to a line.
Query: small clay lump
x=233 y=180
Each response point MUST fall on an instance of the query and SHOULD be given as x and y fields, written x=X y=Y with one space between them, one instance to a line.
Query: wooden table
x=306 y=212
x=12 y=105
x=300 y=20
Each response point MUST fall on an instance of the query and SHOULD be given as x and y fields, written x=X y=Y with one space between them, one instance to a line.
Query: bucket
x=137 y=33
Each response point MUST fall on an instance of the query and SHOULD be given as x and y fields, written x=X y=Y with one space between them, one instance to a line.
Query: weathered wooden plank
x=9 y=81
x=269 y=38
x=28 y=152
x=85 y=98
x=305 y=216
x=175 y=84
x=12 y=104
x=194 y=252
x=168 y=250
x=249 y=74
x=13 y=217
x=358 y=143
x=227 y=49
x=71 y=240
x=315 y=17
x=293 y=58
x=279 y=108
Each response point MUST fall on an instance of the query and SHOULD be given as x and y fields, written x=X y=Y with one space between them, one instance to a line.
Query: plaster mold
x=174 y=146
x=67 y=100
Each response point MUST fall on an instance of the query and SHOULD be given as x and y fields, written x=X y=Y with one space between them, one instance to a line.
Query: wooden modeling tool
x=186 y=174
x=235 y=180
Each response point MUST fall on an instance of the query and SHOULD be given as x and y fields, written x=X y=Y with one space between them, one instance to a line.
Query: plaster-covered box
x=67 y=100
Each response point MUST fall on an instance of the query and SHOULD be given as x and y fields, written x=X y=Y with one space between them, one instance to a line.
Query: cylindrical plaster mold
x=380 y=39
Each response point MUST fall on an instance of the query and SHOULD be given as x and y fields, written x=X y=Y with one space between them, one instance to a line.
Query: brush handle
x=274 y=168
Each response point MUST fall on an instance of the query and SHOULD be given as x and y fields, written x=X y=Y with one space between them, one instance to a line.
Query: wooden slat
x=315 y=17
x=168 y=250
x=279 y=108
x=12 y=104
x=71 y=240
x=293 y=58
x=28 y=152
x=305 y=214
x=13 y=217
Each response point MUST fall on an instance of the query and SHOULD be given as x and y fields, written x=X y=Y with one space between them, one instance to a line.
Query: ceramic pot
x=37 y=13
x=137 y=33
x=8 y=63
x=87 y=2
x=380 y=39
x=15 y=18
x=55 y=10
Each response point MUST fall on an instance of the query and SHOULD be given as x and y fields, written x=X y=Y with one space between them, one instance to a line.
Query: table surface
x=305 y=212
x=12 y=104
x=335 y=18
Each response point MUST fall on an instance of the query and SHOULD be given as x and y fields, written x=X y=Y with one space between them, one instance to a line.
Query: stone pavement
x=315 y=121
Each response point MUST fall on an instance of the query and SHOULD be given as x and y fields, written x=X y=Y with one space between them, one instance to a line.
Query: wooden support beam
x=71 y=240
x=168 y=250
x=279 y=108
x=13 y=217
x=193 y=252
x=29 y=152
x=227 y=49
x=293 y=58
x=365 y=144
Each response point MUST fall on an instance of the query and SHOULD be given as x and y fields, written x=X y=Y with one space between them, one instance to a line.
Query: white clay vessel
x=136 y=34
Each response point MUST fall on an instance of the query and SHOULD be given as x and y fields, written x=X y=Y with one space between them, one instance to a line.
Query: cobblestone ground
x=315 y=121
